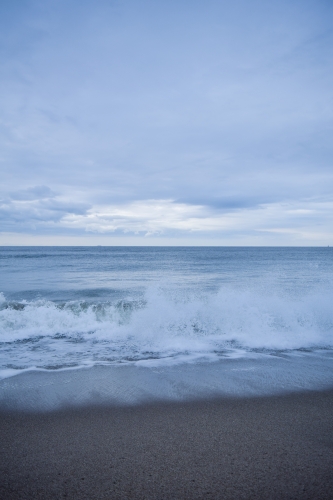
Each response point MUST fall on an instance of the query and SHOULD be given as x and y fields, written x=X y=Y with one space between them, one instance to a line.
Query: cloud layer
x=167 y=118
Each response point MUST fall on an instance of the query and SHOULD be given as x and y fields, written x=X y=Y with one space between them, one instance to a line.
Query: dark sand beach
x=272 y=447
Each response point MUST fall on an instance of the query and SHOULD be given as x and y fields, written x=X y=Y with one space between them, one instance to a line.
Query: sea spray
x=164 y=325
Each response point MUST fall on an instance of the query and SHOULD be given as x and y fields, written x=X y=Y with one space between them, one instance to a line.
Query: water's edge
x=132 y=385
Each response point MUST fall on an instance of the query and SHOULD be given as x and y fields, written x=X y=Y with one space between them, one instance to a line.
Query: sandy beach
x=271 y=447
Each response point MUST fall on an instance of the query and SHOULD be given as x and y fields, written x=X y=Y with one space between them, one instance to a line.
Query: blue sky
x=166 y=122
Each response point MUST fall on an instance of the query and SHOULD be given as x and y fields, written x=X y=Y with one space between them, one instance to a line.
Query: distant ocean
x=161 y=308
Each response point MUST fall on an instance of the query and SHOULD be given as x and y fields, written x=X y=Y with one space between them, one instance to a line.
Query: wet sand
x=277 y=447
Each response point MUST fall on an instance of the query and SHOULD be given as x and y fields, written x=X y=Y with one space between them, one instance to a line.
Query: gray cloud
x=33 y=193
x=36 y=208
x=219 y=105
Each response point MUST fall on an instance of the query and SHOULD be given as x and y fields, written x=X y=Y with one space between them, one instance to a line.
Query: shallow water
x=72 y=307
x=133 y=384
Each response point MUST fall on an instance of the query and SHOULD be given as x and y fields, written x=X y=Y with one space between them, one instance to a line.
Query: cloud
x=36 y=208
x=34 y=193
x=148 y=217
x=302 y=222
x=169 y=218
x=166 y=117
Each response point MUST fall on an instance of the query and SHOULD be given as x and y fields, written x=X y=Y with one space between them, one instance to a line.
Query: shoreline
x=277 y=447
x=130 y=385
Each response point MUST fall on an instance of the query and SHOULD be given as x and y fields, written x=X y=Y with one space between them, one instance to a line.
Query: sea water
x=162 y=322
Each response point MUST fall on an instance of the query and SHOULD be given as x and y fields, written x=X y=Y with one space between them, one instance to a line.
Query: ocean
x=127 y=324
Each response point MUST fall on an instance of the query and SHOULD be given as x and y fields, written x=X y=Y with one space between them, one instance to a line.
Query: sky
x=164 y=122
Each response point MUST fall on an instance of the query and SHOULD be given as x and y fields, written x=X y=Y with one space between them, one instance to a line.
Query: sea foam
x=166 y=326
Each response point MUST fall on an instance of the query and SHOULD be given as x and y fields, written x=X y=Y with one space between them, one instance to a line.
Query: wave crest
x=166 y=324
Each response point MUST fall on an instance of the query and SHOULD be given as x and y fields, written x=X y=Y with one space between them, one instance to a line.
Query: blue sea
x=134 y=323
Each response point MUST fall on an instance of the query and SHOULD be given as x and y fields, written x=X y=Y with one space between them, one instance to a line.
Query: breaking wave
x=165 y=326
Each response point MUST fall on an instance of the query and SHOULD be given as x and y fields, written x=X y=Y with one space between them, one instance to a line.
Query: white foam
x=168 y=326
